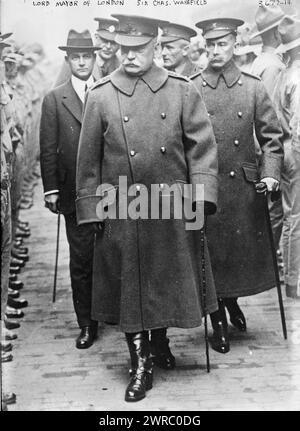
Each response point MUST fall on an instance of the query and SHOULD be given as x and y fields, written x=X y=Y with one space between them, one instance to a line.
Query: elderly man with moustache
x=150 y=126
x=237 y=234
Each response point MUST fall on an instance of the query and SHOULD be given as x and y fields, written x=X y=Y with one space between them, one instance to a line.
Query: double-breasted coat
x=59 y=138
x=152 y=129
x=238 y=239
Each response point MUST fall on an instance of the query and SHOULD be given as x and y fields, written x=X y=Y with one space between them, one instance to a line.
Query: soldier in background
x=106 y=58
x=287 y=102
x=269 y=63
x=6 y=154
x=268 y=66
x=175 y=44
x=237 y=234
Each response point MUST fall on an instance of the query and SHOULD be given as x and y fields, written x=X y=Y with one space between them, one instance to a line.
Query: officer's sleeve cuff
x=210 y=183
x=271 y=167
x=86 y=209
x=51 y=192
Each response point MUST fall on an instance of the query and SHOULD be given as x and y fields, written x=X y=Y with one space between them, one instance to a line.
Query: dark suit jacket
x=59 y=138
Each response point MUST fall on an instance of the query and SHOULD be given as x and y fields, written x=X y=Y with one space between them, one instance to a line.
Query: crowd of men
x=145 y=102
x=24 y=82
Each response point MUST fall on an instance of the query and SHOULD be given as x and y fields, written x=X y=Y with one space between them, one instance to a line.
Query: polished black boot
x=220 y=340
x=237 y=317
x=162 y=356
x=86 y=337
x=15 y=285
x=141 y=371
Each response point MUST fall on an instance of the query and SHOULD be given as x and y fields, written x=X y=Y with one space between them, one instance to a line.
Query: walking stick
x=262 y=189
x=56 y=258
x=203 y=269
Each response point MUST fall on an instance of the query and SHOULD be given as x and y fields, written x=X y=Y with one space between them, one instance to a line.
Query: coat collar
x=71 y=101
x=155 y=78
x=231 y=74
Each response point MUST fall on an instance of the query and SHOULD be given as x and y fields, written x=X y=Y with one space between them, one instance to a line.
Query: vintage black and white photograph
x=150 y=207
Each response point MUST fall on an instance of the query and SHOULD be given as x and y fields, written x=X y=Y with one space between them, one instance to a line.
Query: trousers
x=81 y=246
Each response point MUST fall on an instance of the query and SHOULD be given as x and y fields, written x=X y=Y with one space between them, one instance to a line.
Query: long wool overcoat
x=152 y=130
x=237 y=234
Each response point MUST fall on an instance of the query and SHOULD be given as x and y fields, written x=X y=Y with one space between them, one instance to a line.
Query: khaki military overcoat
x=151 y=130
x=237 y=234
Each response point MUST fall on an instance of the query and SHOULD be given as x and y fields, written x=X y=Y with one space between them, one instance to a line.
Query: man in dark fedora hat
x=237 y=234
x=287 y=103
x=59 y=138
x=106 y=56
x=149 y=126
x=175 y=44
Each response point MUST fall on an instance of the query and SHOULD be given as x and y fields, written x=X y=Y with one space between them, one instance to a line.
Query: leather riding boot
x=220 y=340
x=162 y=356
x=237 y=317
x=141 y=371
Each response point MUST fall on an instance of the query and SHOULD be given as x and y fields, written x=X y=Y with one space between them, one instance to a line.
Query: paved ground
x=261 y=372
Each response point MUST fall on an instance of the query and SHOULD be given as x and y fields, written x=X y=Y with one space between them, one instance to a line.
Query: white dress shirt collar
x=80 y=86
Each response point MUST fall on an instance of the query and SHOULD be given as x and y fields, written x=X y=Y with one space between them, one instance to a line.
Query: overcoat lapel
x=72 y=102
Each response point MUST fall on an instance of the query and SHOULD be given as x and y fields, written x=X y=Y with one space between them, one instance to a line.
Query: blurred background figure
x=287 y=102
x=23 y=85
x=198 y=54
x=268 y=66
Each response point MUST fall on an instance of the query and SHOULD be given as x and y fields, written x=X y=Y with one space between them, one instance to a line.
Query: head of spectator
x=289 y=30
x=175 y=43
x=267 y=20
x=105 y=38
x=80 y=54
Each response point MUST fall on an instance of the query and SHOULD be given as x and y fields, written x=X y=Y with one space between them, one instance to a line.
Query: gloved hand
x=262 y=188
x=271 y=183
x=52 y=202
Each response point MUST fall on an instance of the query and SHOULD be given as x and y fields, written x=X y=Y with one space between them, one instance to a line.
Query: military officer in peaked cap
x=59 y=138
x=150 y=126
x=237 y=234
x=175 y=44
x=106 y=60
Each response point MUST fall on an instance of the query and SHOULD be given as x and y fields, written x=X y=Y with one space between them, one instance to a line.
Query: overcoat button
x=204 y=84
x=240 y=114
x=163 y=115
x=126 y=119
x=232 y=174
x=240 y=82
x=163 y=149
x=236 y=142
x=132 y=153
